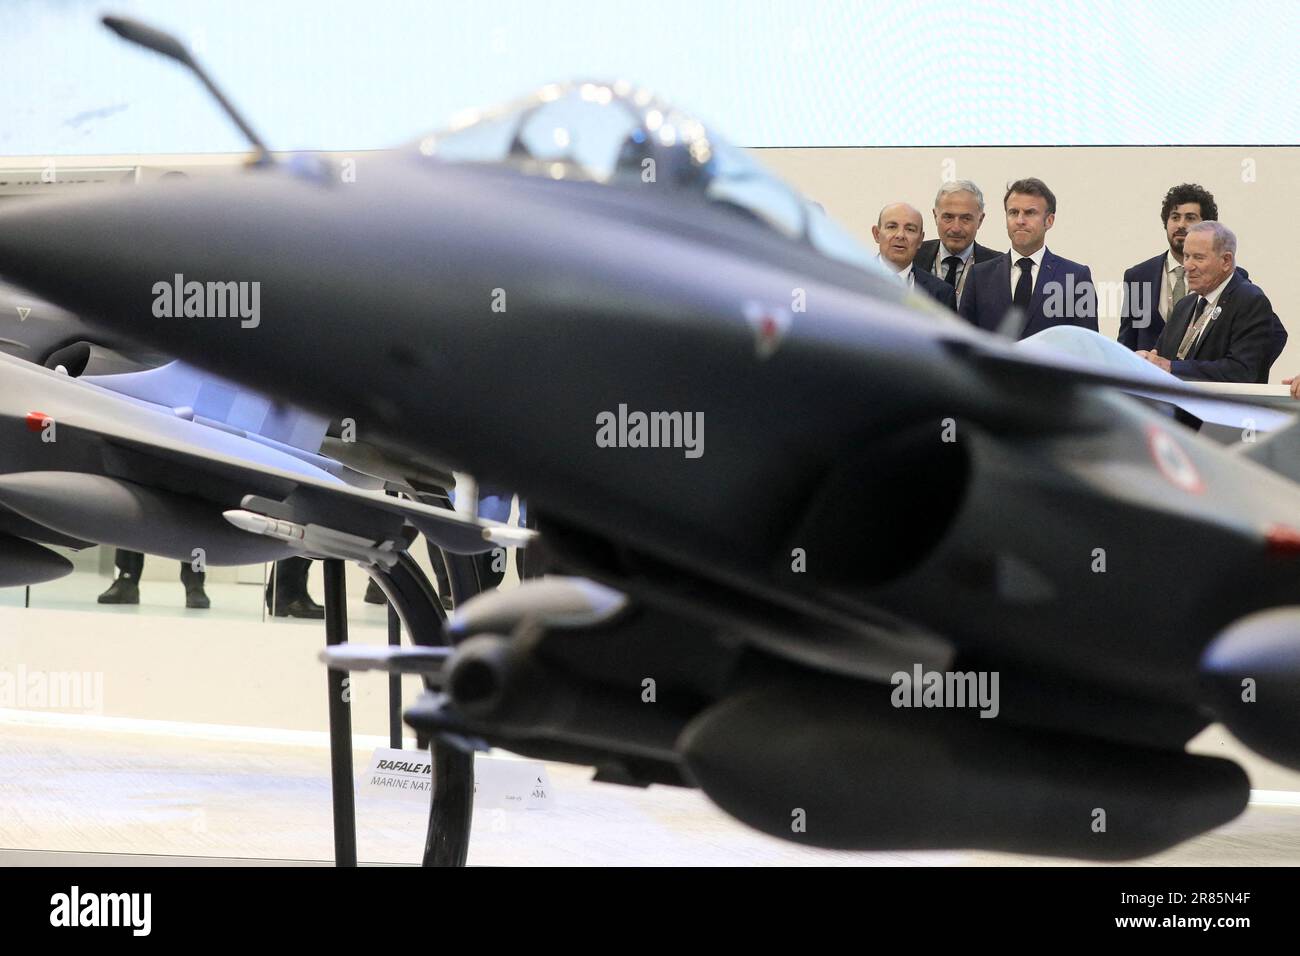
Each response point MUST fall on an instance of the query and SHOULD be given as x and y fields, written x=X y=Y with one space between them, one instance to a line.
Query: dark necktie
x=952 y=262
x=1193 y=329
x=1025 y=284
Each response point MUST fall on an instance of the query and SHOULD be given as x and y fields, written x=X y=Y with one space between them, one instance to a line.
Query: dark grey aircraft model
x=36 y=331
x=868 y=577
x=177 y=463
x=121 y=446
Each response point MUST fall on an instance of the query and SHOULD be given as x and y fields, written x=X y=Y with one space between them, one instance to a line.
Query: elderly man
x=958 y=214
x=1046 y=289
x=898 y=232
x=1223 y=332
x=1152 y=288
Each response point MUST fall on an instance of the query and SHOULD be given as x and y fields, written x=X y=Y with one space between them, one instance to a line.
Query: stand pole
x=340 y=717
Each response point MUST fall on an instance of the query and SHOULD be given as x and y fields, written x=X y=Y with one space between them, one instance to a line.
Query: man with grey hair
x=1223 y=330
x=958 y=214
x=899 y=229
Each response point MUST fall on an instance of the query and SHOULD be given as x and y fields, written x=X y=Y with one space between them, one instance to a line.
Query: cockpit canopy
x=616 y=134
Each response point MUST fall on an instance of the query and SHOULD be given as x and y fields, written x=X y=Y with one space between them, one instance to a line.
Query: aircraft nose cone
x=93 y=254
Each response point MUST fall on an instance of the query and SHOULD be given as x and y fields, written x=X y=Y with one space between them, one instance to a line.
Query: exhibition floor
x=117 y=793
x=202 y=739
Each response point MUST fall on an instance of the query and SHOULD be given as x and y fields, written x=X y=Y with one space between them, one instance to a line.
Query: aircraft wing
x=91 y=465
x=1085 y=351
x=204 y=396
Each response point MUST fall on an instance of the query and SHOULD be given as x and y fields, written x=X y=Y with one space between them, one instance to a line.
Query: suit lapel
x=924 y=260
x=1154 y=281
x=1002 y=276
x=1222 y=320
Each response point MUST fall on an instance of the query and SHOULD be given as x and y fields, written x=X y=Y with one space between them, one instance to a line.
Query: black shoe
x=299 y=607
x=374 y=595
x=121 y=591
x=196 y=597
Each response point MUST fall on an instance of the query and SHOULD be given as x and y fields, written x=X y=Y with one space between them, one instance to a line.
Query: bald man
x=898 y=232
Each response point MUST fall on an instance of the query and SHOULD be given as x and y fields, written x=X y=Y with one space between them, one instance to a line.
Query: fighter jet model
x=175 y=462
x=122 y=424
x=39 y=332
x=868 y=577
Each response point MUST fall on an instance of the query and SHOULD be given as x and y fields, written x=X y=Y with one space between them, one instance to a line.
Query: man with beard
x=1152 y=288
x=1221 y=331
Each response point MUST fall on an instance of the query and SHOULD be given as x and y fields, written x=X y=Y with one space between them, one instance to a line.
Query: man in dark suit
x=1046 y=288
x=1152 y=288
x=958 y=214
x=1223 y=332
x=898 y=232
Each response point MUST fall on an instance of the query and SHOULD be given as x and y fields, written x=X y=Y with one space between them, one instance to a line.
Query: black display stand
x=394 y=682
x=340 y=718
x=415 y=606
x=451 y=811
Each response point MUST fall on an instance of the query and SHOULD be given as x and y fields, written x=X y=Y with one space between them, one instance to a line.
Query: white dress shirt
x=904 y=274
x=1033 y=271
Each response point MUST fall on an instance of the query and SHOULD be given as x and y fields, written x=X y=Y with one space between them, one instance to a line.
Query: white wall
x=1108 y=202
x=1108 y=199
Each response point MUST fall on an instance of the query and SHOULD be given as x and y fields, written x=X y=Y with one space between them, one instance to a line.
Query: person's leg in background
x=125 y=588
x=195 y=596
x=493 y=504
x=286 y=591
x=529 y=562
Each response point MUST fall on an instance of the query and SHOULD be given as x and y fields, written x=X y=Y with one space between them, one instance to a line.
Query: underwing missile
x=314 y=539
